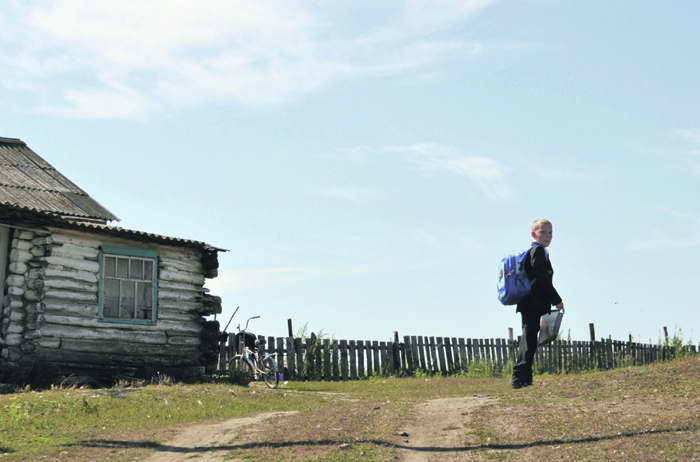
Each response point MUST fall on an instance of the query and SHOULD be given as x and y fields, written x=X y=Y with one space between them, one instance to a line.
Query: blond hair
x=537 y=224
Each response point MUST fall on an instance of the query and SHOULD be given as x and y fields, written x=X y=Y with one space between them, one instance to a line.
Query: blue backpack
x=513 y=283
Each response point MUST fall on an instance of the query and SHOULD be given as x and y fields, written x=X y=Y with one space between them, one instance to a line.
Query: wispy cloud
x=692 y=135
x=567 y=175
x=351 y=194
x=686 y=232
x=483 y=171
x=435 y=156
x=243 y=279
x=259 y=278
x=131 y=58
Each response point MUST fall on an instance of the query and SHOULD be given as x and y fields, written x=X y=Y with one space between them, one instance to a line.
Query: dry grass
x=643 y=414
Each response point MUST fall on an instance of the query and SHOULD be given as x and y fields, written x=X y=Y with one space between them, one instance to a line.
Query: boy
x=539 y=301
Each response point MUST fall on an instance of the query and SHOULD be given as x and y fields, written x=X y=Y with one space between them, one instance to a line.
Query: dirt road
x=438 y=430
x=207 y=443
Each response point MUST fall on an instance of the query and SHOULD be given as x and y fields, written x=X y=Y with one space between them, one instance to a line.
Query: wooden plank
x=455 y=354
x=434 y=355
x=279 y=357
x=327 y=359
x=384 y=357
x=63 y=294
x=67 y=263
x=448 y=354
x=407 y=350
x=499 y=355
x=80 y=321
x=368 y=352
x=440 y=347
x=291 y=358
x=414 y=354
x=100 y=358
x=74 y=275
x=336 y=361
x=352 y=351
x=428 y=355
x=309 y=359
x=377 y=357
x=343 y=345
x=299 y=347
x=105 y=334
x=360 y=359
x=421 y=354
x=127 y=350
x=464 y=359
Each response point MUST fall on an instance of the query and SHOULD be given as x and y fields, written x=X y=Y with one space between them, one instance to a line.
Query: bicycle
x=250 y=362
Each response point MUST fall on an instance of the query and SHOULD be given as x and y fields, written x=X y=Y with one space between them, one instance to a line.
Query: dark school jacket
x=543 y=295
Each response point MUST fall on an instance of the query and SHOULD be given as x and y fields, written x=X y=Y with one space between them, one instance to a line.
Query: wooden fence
x=342 y=360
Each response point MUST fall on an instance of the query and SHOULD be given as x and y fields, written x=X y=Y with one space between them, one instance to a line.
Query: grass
x=637 y=413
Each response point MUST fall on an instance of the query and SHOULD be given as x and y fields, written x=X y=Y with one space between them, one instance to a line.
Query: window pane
x=110 y=300
x=110 y=267
x=136 y=271
x=128 y=293
x=144 y=295
x=122 y=268
x=144 y=300
x=148 y=270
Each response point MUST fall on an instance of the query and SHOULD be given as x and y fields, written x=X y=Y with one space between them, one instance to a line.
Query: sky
x=368 y=164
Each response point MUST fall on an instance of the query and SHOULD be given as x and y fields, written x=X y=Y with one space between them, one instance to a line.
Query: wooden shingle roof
x=29 y=182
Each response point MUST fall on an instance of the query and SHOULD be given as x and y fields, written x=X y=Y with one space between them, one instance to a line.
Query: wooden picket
x=343 y=360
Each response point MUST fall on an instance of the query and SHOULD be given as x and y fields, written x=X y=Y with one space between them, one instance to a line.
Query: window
x=128 y=285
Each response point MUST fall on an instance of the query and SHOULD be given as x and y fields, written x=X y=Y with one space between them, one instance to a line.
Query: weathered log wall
x=50 y=315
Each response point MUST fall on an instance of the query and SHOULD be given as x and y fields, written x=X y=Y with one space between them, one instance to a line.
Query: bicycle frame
x=256 y=364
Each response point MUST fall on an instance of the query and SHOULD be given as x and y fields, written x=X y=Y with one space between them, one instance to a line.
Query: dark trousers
x=522 y=370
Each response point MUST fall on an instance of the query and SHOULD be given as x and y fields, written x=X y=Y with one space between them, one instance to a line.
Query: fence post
x=222 y=354
x=395 y=363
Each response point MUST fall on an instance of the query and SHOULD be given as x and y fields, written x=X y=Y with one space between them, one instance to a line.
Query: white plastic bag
x=549 y=326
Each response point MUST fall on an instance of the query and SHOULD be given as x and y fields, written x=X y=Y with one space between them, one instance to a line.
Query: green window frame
x=128 y=286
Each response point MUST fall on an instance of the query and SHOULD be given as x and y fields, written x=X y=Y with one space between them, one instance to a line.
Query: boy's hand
x=560 y=305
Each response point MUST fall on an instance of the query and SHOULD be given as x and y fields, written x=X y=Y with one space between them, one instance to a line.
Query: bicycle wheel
x=239 y=367
x=270 y=374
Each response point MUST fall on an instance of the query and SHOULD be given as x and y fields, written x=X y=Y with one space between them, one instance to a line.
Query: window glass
x=110 y=267
x=122 y=267
x=110 y=299
x=136 y=270
x=127 y=299
x=148 y=270
x=127 y=284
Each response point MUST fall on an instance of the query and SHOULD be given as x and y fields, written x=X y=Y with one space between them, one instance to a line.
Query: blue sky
x=368 y=164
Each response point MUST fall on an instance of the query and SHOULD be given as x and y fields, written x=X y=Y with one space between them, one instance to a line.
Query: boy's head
x=542 y=231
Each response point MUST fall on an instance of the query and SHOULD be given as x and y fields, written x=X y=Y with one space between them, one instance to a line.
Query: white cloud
x=350 y=194
x=692 y=135
x=130 y=58
x=485 y=172
x=258 y=278
x=435 y=156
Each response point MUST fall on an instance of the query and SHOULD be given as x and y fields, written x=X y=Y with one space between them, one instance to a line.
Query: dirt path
x=207 y=443
x=439 y=431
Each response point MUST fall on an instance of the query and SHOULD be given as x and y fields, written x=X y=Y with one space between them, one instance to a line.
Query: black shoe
x=517 y=384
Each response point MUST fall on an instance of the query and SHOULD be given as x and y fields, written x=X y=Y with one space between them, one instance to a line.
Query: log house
x=82 y=297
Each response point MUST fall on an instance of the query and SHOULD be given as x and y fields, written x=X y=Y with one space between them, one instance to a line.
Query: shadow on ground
x=115 y=444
